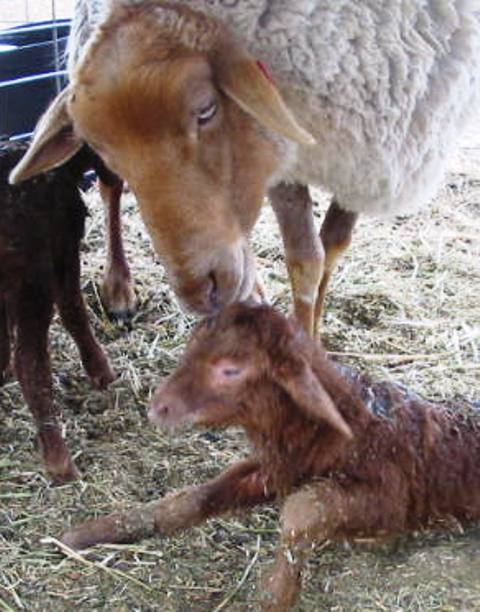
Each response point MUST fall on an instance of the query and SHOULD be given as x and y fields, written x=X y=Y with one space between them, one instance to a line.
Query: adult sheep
x=177 y=99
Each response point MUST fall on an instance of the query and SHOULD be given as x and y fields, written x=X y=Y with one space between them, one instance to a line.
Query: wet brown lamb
x=349 y=456
x=41 y=226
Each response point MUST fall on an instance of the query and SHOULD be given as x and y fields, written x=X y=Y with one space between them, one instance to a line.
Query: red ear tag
x=266 y=72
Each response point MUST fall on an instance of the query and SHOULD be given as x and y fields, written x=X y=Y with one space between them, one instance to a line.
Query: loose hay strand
x=245 y=575
x=95 y=564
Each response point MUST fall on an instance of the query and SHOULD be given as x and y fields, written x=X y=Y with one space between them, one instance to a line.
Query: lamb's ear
x=53 y=143
x=309 y=394
x=248 y=83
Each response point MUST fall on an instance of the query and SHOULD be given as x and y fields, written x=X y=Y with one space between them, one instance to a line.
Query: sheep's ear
x=309 y=394
x=53 y=143
x=248 y=83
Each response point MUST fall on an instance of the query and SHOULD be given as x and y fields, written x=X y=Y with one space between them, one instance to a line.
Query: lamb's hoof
x=64 y=472
x=102 y=377
x=279 y=591
x=96 y=531
x=119 y=299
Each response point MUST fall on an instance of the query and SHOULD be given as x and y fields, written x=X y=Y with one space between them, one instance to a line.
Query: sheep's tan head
x=178 y=109
x=234 y=368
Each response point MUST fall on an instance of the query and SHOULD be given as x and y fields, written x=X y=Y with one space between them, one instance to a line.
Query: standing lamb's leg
x=34 y=309
x=304 y=252
x=240 y=486
x=4 y=341
x=117 y=291
x=336 y=235
x=320 y=512
x=68 y=296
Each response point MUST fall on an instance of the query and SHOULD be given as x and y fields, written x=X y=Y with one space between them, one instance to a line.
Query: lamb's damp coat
x=385 y=86
x=351 y=457
x=41 y=227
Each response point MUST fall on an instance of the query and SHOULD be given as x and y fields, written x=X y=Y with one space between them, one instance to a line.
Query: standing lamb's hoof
x=118 y=297
x=102 y=380
x=58 y=463
x=101 y=374
x=65 y=473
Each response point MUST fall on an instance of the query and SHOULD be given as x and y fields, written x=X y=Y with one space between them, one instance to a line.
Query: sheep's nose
x=212 y=292
x=205 y=298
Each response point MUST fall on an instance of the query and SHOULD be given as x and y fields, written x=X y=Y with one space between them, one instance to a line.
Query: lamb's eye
x=231 y=372
x=207 y=113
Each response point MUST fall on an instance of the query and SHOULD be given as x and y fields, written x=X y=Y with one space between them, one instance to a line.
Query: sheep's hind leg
x=117 y=291
x=317 y=513
x=336 y=236
x=33 y=309
x=304 y=251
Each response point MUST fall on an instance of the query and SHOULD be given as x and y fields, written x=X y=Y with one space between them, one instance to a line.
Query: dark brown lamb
x=41 y=226
x=350 y=457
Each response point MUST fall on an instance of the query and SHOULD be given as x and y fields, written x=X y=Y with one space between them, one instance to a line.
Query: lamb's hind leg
x=33 y=310
x=117 y=291
x=317 y=513
x=304 y=252
x=336 y=236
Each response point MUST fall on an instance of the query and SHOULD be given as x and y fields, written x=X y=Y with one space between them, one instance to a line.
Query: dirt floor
x=403 y=305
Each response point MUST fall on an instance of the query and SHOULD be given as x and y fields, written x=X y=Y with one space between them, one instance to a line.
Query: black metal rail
x=31 y=73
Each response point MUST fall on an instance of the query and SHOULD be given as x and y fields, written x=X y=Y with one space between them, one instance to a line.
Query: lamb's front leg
x=240 y=486
x=117 y=291
x=317 y=513
x=71 y=305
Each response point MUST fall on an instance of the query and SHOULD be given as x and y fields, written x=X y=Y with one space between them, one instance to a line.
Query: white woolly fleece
x=385 y=86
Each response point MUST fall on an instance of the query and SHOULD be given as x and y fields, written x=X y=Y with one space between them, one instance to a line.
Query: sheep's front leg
x=33 y=310
x=317 y=513
x=117 y=291
x=336 y=236
x=240 y=486
x=304 y=252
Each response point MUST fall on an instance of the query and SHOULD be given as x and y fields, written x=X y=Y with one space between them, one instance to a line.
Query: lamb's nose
x=158 y=411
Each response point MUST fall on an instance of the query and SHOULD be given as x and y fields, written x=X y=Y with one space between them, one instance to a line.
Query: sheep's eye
x=207 y=113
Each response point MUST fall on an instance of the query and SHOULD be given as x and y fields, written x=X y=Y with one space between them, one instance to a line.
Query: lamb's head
x=181 y=111
x=234 y=363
